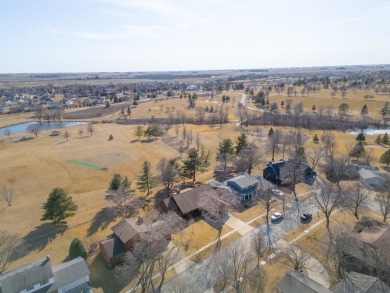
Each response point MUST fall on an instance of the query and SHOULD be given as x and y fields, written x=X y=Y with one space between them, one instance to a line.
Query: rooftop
x=69 y=272
x=355 y=282
x=296 y=282
x=26 y=276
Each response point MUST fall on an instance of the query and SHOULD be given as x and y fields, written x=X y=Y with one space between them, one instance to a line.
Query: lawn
x=208 y=251
x=197 y=235
x=250 y=213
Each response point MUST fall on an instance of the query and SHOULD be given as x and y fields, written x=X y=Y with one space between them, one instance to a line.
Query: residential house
x=244 y=186
x=297 y=282
x=360 y=283
x=369 y=235
x=40 y=276
x=125 y=234
x=191 y=202
x=371 y=177
x=272 y=173
x=192 y=87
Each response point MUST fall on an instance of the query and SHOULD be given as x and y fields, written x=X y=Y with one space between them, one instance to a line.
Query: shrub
x=110 y=137
x=77 y=249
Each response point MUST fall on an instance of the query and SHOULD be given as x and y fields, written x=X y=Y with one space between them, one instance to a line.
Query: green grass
x=85 y=165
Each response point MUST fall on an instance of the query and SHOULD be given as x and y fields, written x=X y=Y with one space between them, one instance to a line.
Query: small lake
x=22 y=128
x=370 y=131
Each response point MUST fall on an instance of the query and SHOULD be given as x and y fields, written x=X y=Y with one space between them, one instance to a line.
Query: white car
x=277 y=192
x=276 y=216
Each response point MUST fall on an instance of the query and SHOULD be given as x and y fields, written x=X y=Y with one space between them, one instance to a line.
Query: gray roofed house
x=192 y=200
x=244 y=186
x=370 y=177
x=71 y=276
x=34 y=276
x=296 y=282
x=360 y=283
x=40 y=276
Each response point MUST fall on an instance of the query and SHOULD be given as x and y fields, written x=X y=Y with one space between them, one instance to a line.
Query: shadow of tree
x=221 y=176
x=39 y=238
x=101 y=220
x=104 y=278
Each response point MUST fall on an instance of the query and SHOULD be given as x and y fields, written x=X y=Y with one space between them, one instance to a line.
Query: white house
x=40 y=276
x=68 y=103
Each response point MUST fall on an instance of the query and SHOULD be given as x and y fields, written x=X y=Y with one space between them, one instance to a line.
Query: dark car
x=306 y=217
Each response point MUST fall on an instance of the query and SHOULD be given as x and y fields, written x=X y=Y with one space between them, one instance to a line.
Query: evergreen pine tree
x=385 y=138
x=315 y=138
x=270 y=132
x=378 y=139
x=58 y=206
x=385 y=158
x=313 y=108
x=192 y=165
x=241 y=143
x=364 y=111
x=360 y=137
x=146 y=181
x=77 y=249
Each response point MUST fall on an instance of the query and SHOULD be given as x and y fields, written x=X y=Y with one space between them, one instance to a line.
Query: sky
x=165 y=35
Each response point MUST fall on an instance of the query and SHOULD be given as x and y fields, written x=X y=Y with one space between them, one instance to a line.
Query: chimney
x=139 y=219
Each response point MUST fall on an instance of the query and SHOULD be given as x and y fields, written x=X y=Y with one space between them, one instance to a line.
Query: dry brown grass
x=294 y=233
x=248 y=214
x=197 y=235
x=208 y=251
x=274 y=272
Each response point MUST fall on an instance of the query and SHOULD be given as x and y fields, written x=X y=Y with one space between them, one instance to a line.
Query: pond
x=22 y=128
x=370 y=131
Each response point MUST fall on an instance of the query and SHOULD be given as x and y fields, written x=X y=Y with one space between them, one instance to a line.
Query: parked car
x=277 y=192
x=276 y=216
x=306 y=217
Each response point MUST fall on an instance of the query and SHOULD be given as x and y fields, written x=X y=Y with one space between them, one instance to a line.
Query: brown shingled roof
x=193 y=199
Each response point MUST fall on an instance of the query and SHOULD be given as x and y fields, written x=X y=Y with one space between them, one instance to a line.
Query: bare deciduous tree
x=273 y=142
x=232 y=266
x=295 y=258
x=197 y=141
x=249 y=158
x=354 y=196
x=81 y=132
x=7 y=132
x=7 y=244
x=34 y=128
x=66 y=135
x=124 y=200
x=315 y=156
x=168 y=173
x=151 y=257
x=327 y=198
x=242 y=114
x=383 y=198
x=329 y=141
x=90 y=128
x=258 y=245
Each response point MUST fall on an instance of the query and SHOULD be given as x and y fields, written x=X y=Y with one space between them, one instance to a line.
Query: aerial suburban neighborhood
x=168 y=146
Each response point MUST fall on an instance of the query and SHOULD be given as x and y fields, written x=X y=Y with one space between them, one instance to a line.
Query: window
x=30 y=288
x=44 y=283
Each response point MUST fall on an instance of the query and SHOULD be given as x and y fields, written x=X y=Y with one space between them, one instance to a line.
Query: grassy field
x=33 y=168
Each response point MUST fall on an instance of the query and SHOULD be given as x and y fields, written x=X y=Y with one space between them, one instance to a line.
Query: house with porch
x=244 y=186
